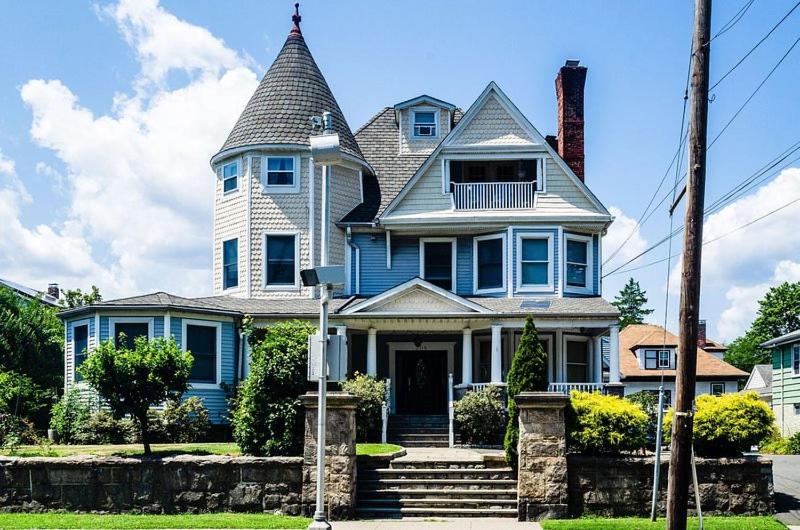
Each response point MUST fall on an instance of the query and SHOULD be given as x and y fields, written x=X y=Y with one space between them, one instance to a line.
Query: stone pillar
x=466 y=357
x=497 y=353
x=542 y=491
x=372 y=352
x=340 y=451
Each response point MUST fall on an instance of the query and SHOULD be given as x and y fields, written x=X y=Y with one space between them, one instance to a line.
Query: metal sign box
x=336 y=357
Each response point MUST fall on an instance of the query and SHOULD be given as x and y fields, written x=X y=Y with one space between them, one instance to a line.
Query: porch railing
x=385 y=411
x=493 y=195
x=566 y=388
x=482 y=386
x=450 y=411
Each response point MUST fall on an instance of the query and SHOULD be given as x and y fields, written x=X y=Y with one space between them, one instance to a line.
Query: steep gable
x=492 y=125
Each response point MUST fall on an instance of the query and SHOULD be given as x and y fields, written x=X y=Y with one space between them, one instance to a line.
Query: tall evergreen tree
x=631 y=302
x=528 y=373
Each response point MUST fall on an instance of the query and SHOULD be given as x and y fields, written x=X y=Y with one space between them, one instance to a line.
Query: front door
x=421 y=382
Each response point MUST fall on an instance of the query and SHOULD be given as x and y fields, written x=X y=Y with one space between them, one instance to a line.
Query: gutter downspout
x=311 y=218
x=357 y=286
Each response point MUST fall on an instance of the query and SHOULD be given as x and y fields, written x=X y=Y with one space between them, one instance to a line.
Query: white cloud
x=57 y=178
x=8 y=169
x=619 y=230
x=140 y=187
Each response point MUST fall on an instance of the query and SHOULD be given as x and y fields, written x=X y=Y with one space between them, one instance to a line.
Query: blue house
x=453 y=225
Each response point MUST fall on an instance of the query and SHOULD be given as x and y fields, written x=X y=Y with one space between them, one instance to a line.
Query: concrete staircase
x=436 y=488
x=418 y=431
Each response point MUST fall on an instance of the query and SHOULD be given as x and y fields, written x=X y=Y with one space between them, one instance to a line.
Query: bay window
x=534 y=262
x=438 y=261
x=202 y=339
x=488 y=263
x=578 y=269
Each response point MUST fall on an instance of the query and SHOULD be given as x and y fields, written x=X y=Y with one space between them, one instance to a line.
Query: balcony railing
x=493 y=195
x=566 y=388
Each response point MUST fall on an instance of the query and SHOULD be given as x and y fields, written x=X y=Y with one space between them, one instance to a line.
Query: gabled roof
x=760 y=379
x=636 y=336
x=427 y=298
x=424 y=98
x=29 y=292
x=291 y=92
x=794 y=336
x=493 y=89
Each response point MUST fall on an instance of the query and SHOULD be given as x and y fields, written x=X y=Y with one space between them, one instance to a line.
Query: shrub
x=598 y=424
x=267 y=416
x=68 y=417
x=481 y=416
x=103 y=428
x=16 y=430
x=793 y=444
x=371 y=394
x=131 y=381
x=185 y=421
x=728 y=424
x=528 y=373
x=648 y=402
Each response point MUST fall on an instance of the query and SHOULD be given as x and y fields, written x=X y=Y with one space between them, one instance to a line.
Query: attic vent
x=535 y=304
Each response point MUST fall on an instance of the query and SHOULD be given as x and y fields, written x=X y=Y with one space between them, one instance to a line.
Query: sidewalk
x=435 y=523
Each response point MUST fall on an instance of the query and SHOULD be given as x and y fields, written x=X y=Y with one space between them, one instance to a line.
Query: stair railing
x=385 y=412
x=450 y=410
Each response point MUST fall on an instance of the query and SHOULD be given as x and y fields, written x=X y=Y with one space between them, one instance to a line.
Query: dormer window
x=230 y=177
x=424 y=123
x=279 y=174
x=657 y=359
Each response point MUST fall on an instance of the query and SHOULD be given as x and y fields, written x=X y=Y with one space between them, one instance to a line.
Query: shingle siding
x=230 y=222
x=492 y=125
x=410 y=145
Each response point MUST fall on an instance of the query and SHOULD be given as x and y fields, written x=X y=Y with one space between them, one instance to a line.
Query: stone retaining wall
x=620 y=486
x=177 y=484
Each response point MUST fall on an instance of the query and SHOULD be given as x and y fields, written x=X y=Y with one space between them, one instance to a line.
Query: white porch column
x=613 y=353
x=598 y=359
x=497 y=357
x=372 y=352
x=466 y=357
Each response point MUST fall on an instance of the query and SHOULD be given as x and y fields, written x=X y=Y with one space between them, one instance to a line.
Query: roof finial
x=296 y=18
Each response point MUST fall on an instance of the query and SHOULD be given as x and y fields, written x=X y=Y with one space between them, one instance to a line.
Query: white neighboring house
x=760 y=381
x=648 y=353
x=48 y=297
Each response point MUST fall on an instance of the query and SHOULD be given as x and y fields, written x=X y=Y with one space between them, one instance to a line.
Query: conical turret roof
x=292 y=91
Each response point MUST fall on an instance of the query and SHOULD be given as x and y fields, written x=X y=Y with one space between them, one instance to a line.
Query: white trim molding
x=453 y=257
x=113 y=321
x=544 y=288
x=281 y=188
x=281 y=287
x=414 y=283
x=503 y=265
x=412 y=119
x=218 y=365
x=72 y=325
x=589 y=287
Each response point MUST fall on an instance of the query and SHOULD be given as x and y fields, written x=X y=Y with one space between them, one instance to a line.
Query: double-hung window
x=424 y=123
x=230 y=263
x=489 y=252
x=280 y=260
x=80 y=345
x=280 y=174
x=578 y=263
x=125 y=332
x=663 y=359
x=717 y=389
x=796 y=359
x=534 y=266
x=230 y=177
x=202 y=339
x=438 y=262
x=657 y=359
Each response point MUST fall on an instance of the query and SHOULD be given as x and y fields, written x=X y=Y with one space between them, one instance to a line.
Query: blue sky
x=111 y=111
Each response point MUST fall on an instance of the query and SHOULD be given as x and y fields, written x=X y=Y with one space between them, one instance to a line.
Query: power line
x=733 y=21
x=759 y=43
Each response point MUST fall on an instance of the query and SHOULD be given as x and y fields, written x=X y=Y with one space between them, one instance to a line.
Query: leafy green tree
x=31 y=356
x=631 y=302
x=528 y=373
x=73 y=298
x=267 y=414
x=778 y=314
x=131 y=381
x=69 y=416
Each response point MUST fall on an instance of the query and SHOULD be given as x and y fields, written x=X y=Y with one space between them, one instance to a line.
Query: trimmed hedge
x=481 y=416
x=371 y=394
x=599 y=424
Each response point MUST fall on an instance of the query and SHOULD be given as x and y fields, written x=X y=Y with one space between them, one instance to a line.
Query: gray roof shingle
x=291 y=92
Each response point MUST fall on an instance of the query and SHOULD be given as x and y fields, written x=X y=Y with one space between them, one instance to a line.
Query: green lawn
x=206 y=520
x=630 y=523
x=160 y=449
x=376 y=449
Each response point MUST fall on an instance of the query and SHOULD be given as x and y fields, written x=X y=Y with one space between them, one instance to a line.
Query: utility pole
x=681 y=447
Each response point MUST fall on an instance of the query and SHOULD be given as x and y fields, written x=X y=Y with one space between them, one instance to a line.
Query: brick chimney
x=701 y=334
x=52 y=290
x=569 y=92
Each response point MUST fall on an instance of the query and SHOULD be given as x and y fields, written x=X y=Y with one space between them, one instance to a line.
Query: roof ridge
x=371 y=120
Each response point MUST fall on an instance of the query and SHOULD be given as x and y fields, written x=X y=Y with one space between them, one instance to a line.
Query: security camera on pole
x=324 y=151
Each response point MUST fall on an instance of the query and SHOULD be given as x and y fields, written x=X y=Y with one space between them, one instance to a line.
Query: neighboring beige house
x=648 y=353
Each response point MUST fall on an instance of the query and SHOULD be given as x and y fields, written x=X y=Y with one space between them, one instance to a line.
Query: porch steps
x=436 y=488
x=418 y=431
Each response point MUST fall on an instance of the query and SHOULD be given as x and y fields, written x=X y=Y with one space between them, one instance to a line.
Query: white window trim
x=76 y=323
x=643 y=354
x=589 y=356
x=795 y=354
x=275 y=188
x=589 y=289
x=541 y=167
x=222 y=264
x=412 y=118
x=550 y=265
x=238 y=174
x=669 y=358
x=475 y=271
x=113 y=321
x=184 y=340
x=281 y=287
x=711 y=386
x=453 y=261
